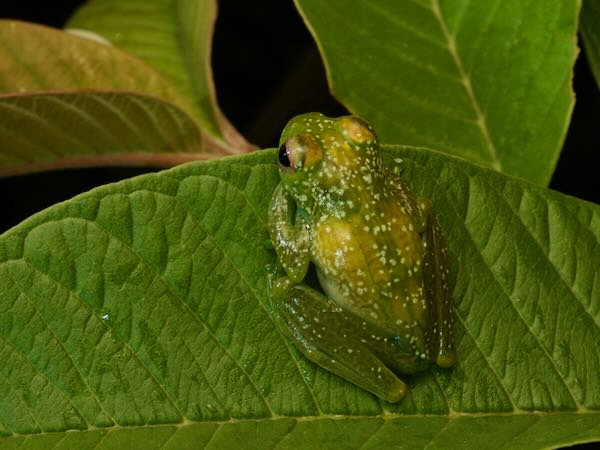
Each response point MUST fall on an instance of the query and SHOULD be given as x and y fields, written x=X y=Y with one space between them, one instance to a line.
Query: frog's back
x=370 y=263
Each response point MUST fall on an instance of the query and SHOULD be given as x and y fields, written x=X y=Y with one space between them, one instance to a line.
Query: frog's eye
x=284 y=158
x=300 y=152
x=291 y=155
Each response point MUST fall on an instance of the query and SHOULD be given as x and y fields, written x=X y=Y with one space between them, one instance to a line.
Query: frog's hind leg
x=410 y=205
x=437 y=292
x=331 y=338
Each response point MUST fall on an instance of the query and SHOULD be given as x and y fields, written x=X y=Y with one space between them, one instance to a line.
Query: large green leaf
x=175 y=37
x=137 y=314
x=590 y=32
x=488 y=81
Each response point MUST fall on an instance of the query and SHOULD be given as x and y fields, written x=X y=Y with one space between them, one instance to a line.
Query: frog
x=381 y=308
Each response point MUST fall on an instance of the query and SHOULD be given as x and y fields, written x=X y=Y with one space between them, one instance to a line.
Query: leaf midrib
x=467 y=85
x=386 y=417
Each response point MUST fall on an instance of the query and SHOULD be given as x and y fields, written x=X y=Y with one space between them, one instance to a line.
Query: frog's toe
x=446 y=359
x=397 y=393
x=278 y=286
x=271 y=269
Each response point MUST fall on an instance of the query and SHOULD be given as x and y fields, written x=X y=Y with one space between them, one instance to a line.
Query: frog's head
x=319 y=154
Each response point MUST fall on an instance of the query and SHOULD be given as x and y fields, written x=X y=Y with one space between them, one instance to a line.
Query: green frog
x=379 y=255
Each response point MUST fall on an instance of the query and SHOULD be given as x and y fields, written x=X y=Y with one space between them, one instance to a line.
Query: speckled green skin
x=379 y=254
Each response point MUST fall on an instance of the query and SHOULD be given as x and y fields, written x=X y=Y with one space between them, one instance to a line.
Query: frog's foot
x=331 y=338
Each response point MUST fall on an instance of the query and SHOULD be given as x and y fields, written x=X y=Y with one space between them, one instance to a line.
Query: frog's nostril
x=284 y=158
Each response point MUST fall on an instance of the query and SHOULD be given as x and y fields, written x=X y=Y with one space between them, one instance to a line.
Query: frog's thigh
x=436 y=285
x=406 y=199
x=330 y=338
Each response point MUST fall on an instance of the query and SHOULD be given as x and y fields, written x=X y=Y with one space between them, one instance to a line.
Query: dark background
x=276 y=73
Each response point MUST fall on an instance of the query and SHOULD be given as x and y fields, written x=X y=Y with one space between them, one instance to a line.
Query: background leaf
x=175 y=37
x=488 y=82
x=74 y=102
x=137 y=313
x=590 y=33
x=35 y=58
x=47 y=131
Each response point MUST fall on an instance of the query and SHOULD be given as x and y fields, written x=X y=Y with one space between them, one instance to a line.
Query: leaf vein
x=83 y=115
x=381 y=425
x=440 y=431
x=290 y=431
x=28 y=138
x=143 y=137
x=212 y=436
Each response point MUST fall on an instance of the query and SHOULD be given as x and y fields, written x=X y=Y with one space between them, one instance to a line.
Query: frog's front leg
x=332 y=338
x=436 y=287
x=290 y=232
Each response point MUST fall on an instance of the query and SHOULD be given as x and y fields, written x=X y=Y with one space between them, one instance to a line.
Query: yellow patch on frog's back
x=335 y=248
x=344 y=252
x=366 y=275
